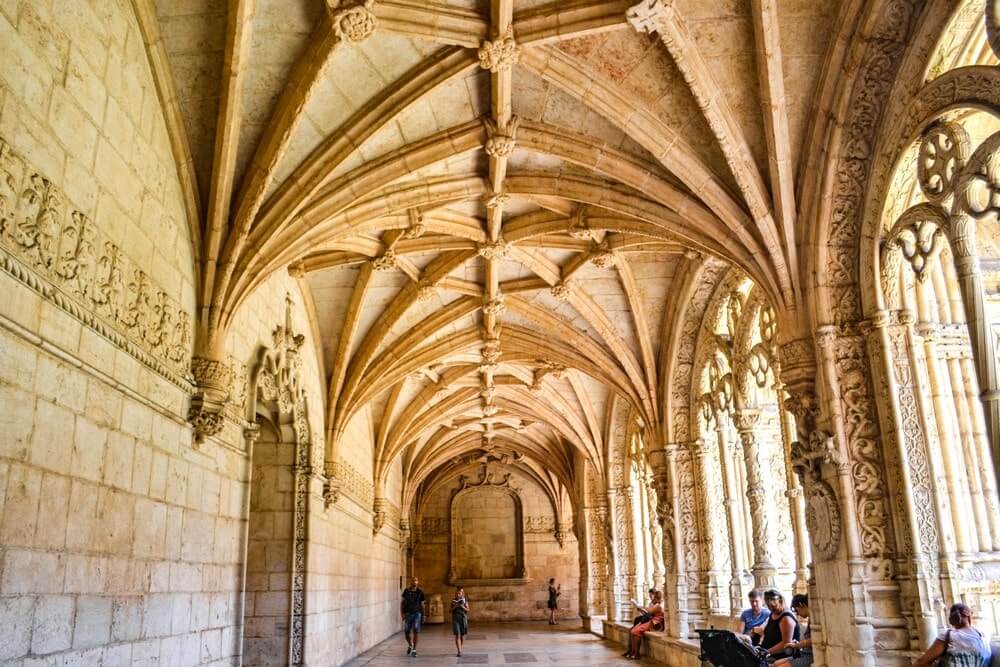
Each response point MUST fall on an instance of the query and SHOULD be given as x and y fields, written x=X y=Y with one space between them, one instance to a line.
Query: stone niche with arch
x=492 y=529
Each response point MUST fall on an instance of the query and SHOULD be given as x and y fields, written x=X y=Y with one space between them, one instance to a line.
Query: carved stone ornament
x=297 y=269
x=578 y=228
x=823 y=520
x=500 y=54
x=491 y=350
x=502 y=140
x=602 y=256
x=560 y=291
x=353 y=22
x=386 y=261
x=213 y=379
x=645 y=15
x=495 y=307
x=944 y=149
x=496 y=199
x=61 y=254
x=426 y=291
x=493 y=249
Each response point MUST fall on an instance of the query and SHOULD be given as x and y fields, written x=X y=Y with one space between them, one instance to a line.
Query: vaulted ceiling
x=498 y=206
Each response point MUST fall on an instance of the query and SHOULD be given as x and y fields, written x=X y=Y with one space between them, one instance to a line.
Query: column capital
x=746 y=420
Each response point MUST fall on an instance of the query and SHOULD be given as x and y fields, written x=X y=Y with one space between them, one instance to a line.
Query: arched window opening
x=940 y=269
x=963 y=42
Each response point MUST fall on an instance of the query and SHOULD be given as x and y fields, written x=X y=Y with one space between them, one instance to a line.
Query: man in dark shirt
x=411 y=610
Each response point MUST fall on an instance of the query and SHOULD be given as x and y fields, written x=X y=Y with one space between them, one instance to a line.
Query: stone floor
x=501 y=644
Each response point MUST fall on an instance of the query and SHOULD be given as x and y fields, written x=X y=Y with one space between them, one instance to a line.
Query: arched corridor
x=304 y=298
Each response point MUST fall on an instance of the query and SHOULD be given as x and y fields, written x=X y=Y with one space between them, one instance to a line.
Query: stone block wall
x=543 y=557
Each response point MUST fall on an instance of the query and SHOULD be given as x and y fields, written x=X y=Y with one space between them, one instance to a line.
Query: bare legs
x=459 y=640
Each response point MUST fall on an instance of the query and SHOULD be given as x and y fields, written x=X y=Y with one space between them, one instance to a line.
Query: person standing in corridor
x=554 y=593
x=411 y=610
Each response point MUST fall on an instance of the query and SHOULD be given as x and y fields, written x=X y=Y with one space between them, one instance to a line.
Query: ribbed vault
x=505 y=211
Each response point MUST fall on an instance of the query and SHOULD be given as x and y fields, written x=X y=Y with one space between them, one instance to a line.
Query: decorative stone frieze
x=500 y=54
x=67 y=258
x=345 y=479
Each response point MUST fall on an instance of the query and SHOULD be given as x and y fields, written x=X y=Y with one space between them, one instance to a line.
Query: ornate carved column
x=763 y=567
x=620 y=509
x=655 y=532
x=905 y=437
x=712 y=577
x=675 y=589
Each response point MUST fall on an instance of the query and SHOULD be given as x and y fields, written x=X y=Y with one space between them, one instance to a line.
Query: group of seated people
x=776 y=630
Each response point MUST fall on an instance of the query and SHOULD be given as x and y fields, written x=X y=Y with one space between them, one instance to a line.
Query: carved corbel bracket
x=213 y=379
x=380 y=511
x=331 y=490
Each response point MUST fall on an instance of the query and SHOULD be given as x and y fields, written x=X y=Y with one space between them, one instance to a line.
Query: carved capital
x=746 y=420
x=354 y=22
x=500 y=54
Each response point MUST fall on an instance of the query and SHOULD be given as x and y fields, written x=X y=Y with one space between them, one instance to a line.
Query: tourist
x=459 y=618
x=554 y=592
x=642 y=618
x=753 y=617
x=655 y=614
x=411 y=609
x=781 y=628
x=959 y=646
x=800 y=605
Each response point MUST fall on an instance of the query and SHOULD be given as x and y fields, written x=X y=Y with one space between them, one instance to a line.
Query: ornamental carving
x=351 y=482
x=495 y=307
x=992 y=18
x=560 y=291
x=491 y=350
x=502 y=138
x=495 y=200
x=493 y=249
x=386 y=261
x=539 y=524
x=823 y=520
x=60 y=253
x=602 y=256
x=578 y=228
x=500 y=54
x=426 y=291
x=278 y=382
x=355 y=22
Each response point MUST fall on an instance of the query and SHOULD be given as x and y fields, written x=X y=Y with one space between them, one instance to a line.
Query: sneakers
x=409 y=650
x=413 y=654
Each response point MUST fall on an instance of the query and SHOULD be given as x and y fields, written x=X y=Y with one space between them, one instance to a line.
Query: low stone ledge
x=663 y=649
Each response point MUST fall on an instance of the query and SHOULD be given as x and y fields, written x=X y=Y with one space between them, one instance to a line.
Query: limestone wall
x=543 y=557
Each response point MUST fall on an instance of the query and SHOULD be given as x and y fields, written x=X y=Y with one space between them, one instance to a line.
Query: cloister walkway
x=566 y=644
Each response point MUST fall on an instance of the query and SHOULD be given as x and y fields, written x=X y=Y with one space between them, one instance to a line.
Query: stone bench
x=657 y=645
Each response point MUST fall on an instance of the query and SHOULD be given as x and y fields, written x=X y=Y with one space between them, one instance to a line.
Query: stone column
x=796 y=500
x=675 y=591
x=965 y=407
x=655 y=532
x=726 y=458
x=712 y=577
x=620 y=508
x=906 y=443
x=970 y=281
x=985 y=471
x=763 y=567
x=950 y=444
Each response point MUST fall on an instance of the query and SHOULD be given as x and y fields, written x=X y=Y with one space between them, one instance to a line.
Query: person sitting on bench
x=655 y=613
x=781 y=628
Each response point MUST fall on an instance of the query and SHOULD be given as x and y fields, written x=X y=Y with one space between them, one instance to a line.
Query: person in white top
x=960 y=646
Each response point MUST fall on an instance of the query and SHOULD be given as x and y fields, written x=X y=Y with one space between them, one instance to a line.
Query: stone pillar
x=970 y=281
x=796 y=500
x=712 y=577
x=726 y=458
x=985 y=469
x=763 y=567
x=675 y=590
x=905 y=439
x=620 y=509
x=655 y=532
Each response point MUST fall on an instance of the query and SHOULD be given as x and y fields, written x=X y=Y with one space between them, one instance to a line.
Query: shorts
x=411 y=622
x=460 y=625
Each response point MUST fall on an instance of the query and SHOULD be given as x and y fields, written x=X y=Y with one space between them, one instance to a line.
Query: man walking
x=411 y=610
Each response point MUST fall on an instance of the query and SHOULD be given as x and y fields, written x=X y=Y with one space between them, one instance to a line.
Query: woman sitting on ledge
x=960 y=646
x=653 y=620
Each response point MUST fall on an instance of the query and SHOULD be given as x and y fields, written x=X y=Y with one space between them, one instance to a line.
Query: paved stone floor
x=501 y=644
